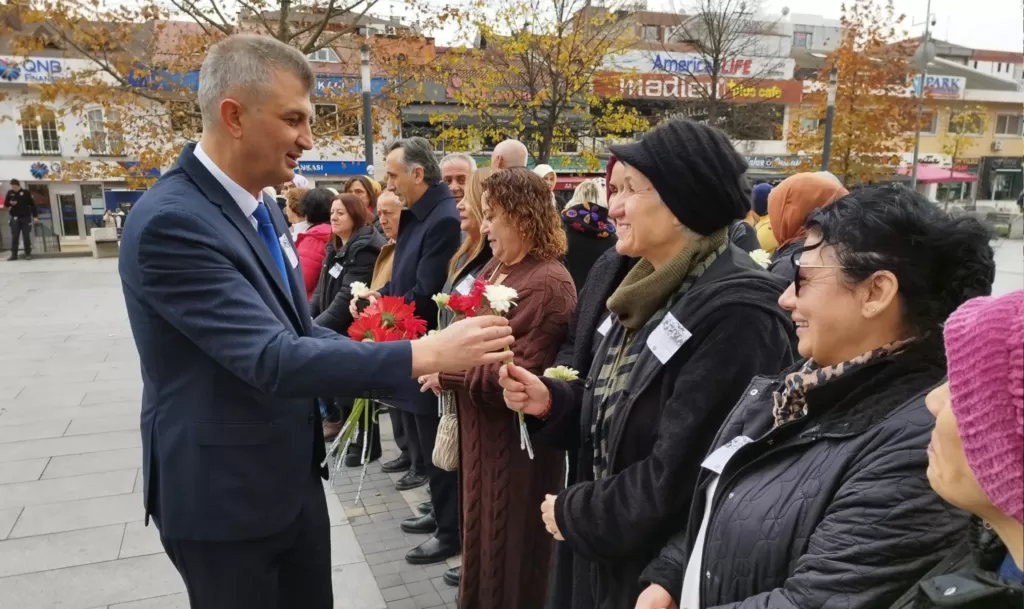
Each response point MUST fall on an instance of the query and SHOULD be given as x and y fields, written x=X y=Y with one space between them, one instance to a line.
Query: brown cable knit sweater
x=506 y=553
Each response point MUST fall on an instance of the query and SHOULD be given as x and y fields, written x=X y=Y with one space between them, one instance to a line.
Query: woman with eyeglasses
x=814 y=492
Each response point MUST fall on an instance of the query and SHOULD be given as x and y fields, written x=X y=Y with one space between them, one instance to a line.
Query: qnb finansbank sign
x=32 y=70
x=689 y=64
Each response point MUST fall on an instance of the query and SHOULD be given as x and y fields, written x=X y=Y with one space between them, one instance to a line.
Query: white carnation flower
x=562 y=373
x=500 y=298
x=441 y=299
x=359 y=289
x=761 y=257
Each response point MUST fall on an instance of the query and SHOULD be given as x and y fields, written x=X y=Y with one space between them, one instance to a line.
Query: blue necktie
x=269 y=235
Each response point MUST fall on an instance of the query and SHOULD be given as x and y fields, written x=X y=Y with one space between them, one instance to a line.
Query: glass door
x=67 y=206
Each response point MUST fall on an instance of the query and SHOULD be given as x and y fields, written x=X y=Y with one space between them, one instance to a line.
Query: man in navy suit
x=230 y=358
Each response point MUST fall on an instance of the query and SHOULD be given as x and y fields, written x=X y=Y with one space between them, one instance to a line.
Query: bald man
x=507 y=154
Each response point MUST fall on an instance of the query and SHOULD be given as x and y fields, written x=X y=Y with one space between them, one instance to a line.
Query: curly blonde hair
x=526 y=198
x=293 y=197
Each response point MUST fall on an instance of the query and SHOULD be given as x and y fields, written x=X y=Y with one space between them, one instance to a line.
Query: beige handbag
x=446 y=445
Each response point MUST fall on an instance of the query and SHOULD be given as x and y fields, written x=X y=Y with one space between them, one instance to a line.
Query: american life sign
x=671 y=87
x=663 y=62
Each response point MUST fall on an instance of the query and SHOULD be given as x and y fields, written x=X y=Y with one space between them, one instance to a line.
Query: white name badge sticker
x=667 y=338
x=716 y=461
x=289 y=253
x=605 y=326
x=465 y=285
x=335 y=270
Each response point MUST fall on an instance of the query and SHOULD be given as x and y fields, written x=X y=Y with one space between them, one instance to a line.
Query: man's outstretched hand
x=465 y=344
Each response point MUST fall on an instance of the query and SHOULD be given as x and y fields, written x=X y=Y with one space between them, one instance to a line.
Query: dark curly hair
x=315 y=205
x=526 y=198
x=940 y=261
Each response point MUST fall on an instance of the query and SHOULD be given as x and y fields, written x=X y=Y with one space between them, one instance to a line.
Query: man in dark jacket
x=23 y=215
x=428 y=236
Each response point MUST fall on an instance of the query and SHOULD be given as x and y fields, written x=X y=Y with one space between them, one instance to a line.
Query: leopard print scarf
x=790 y=402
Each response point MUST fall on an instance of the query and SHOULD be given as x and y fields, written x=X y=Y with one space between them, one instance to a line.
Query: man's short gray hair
x=513 y=151
x=246 y=63
x=456 y=157
x=417 y=152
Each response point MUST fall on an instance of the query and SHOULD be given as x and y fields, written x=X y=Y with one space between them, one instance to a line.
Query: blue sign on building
x=165 y=80
x=331 y=168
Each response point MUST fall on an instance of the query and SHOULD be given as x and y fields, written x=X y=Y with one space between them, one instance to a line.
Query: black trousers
x=444 y=486
x=21 y=229
x=288 y=570
x=398 y=429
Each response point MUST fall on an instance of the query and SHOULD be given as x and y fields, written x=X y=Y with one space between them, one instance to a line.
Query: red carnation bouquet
x=388 y=319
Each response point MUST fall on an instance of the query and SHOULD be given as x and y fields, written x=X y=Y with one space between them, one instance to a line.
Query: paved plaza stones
x=71 y=533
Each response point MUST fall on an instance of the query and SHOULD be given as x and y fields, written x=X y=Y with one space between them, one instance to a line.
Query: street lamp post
x=364 y=68
x=830 y=114
x=922 y=57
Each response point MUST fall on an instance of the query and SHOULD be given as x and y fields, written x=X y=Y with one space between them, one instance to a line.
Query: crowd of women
x=844 y=428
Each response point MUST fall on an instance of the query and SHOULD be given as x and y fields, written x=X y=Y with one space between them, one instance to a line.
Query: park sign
x=673 y=87
x=940 y=87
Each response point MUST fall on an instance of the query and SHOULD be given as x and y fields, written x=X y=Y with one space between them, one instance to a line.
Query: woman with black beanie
x=689 y=325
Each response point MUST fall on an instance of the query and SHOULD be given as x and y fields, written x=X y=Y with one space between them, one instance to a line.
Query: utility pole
x=366 y=86
x=922 y=57
x=830 y=114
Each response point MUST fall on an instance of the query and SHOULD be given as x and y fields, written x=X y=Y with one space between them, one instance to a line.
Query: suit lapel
x=218 y=195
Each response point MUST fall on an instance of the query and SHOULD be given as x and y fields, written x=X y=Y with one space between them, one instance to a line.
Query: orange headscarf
x=794 y=199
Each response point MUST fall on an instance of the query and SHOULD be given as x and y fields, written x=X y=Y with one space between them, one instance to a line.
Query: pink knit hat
x=985 y=357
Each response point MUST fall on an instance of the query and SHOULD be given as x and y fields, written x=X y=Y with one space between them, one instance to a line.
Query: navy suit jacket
x=428 y=237
x=231 y=362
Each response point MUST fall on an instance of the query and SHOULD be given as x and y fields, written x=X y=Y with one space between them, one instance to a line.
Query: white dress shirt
x=246 y=202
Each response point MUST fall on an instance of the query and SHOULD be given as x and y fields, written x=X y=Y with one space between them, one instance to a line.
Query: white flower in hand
x=500 y=298
x=441 y=299
x=359 y=289
x=761 y=257
x=562 y=373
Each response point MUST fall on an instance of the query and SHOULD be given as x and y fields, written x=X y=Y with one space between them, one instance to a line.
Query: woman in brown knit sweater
x=506 y=553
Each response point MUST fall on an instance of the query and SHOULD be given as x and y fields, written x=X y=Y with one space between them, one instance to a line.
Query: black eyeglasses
x=797 y=265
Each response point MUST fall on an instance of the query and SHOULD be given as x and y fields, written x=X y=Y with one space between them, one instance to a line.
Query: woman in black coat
x=691 y=322
x=814 y=491
x=350 y=255
x=588 y=230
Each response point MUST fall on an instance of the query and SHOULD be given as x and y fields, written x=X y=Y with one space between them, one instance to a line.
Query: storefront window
x=1006 y=185
x=93 y=206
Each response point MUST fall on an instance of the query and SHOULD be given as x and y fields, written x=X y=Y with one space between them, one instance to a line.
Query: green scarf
x=644 y=289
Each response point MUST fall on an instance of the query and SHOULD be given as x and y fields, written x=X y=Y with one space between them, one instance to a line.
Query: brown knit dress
x=506 y=552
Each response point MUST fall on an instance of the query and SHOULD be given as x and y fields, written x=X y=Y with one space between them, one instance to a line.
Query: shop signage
x=773 y=162
x=331 y=168
x=1005 y=162
x=39 y=70
x=132 y=167
x=940 y=87
x=500 y=96
x=771 y=68
x=967 y=165
x=161 y=79
x=666 y=86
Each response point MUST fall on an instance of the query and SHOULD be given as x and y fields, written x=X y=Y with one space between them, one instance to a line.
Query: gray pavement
x=71 y=533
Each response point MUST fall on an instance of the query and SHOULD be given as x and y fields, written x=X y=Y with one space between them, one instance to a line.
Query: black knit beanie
x=696 y=171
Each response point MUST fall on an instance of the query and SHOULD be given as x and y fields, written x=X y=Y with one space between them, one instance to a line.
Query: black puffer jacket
x=830 y=511
x=332 y=295
x=615 y=526
x=967 y=578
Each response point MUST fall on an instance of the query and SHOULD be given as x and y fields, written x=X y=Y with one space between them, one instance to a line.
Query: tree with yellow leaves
x=873 y=110
x=965 y=125
x=142 y=60
x=530 y=75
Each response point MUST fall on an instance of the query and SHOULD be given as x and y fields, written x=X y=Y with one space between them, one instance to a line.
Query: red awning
x=930 y=174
